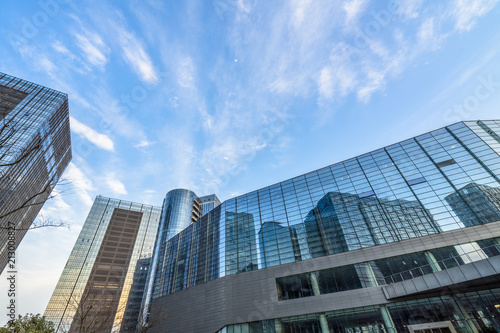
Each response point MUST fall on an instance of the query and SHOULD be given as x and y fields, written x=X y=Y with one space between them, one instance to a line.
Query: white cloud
x=244 y=6
x=81 y=183
x=325 y=83
x=93 y=47
x=100 y=140
x=186 y=72
x=282 y=85
x=143 y=144
x=337 y=79
x=46 y=64
x=60 y=47
x=428 y=35
x=115 y=185
x=353 y=10
x=426 y=31
x=375 y=80
x=466 y=11
x=409 y=8
x=136 y=56
x=300 y=12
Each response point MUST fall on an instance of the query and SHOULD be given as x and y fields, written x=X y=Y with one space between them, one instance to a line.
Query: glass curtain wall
x=442 y=180
x=472 y=312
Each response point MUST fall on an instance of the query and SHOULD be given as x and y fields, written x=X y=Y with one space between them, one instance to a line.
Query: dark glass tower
x=35 y=148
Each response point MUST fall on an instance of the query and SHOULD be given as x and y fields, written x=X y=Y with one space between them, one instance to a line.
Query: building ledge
x=482 y=272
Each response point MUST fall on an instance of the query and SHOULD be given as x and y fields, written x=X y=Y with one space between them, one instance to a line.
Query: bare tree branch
x=154 y=319
x=28 y=202
x=42 y=222
x=94 y=311
x=23 y=156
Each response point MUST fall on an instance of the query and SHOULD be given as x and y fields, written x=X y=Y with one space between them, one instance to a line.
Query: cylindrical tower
x=180 y=209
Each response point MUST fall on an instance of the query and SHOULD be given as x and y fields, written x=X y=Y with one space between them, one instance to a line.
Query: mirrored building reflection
x=362 y=245
x=136 y=294
x=476 y=204
x=342 y=222
x=278 y=244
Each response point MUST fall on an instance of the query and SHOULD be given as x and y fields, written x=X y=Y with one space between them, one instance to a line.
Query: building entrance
x=437 y=327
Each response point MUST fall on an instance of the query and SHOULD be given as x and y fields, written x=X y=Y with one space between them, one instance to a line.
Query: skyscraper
x=208 y=202
x=405 y=238
x=102 y=282
x=35 y=148
x=476 y=204
x=379 y=221
x=181 y=208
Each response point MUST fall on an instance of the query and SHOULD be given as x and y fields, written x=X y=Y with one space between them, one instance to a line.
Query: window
x=417 y=181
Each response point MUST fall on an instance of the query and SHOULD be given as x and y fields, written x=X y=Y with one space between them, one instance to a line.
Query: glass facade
x=208 y=202
x=384 y=271
x=108 y=266
x=35 y=148
x=465 y=312
x=181 y=208
x=439 y=181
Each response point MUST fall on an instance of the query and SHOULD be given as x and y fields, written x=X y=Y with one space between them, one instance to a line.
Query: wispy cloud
x=98 y=139
x=143 y=144
x=325 y=83
x=135 y=55
x=81 y=183
x=410 y=9
x=37 y=58
x=466 y=12
x=60 y=47
x=299 y=12
x=93 y=48
x=298 y=49
x=114 y=184
x=186 y=72
x=353 y=10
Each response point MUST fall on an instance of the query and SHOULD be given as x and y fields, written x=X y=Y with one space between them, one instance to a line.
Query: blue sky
x=228 y=96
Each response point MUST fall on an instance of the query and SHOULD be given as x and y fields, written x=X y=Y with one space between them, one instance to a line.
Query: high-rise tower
x=101 y=283
x=35 y=148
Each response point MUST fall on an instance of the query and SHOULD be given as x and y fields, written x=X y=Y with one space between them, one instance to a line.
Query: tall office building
x=102 y=284
x=181 y=208
x=405 y=238
x=476 y=204
x=35 y=148
x=380 y=221
x=208 y=202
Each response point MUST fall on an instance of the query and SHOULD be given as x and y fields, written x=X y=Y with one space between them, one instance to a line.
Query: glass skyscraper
x=405 y=238
x=102 y=286
x=35 y=148
x=181 y=208
x=208 y=202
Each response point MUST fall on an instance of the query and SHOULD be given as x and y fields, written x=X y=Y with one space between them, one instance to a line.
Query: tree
x=94 y=310
x=154 y=319
x=30 y=323
x=30 y=153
